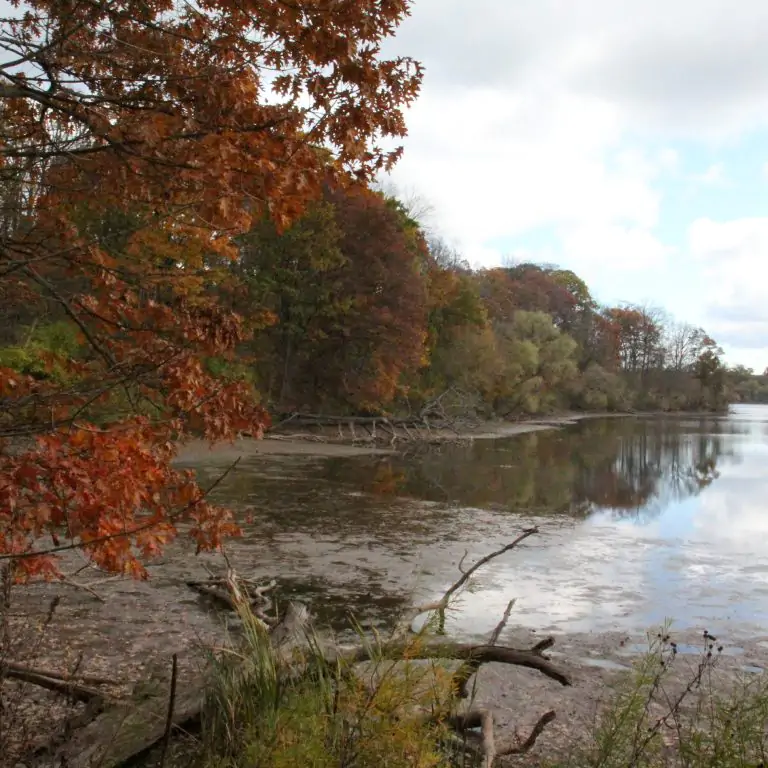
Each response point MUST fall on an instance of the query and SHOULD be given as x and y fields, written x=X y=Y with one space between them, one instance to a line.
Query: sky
x=627 y=141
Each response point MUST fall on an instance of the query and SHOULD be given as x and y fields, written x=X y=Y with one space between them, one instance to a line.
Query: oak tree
x=137 y=139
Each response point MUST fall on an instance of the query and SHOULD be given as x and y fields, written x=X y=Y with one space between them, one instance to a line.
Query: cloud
x=582 y=126
x=732 y=257
x=713 y=176
x=514 y=131
x=691 y=65
x=633 y=247
x=495 y=165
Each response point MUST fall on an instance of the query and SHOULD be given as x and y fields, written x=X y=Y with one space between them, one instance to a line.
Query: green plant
x=271 y=709
x=699 y=718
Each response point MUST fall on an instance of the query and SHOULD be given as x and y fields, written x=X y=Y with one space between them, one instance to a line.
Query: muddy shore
x=327 y=443
x=130 y=631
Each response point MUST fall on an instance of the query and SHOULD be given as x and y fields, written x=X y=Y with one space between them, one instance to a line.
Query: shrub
x=264 y=712
x=659 y=718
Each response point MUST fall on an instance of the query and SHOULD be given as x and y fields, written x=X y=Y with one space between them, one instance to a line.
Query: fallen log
x=477 y=654
x=68 y=687
x=10 y=668
x=129 y=730
x=125 y=732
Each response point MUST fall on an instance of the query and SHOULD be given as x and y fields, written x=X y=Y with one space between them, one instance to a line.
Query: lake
x=641 y=519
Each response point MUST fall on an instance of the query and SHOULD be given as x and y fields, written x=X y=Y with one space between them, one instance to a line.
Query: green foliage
x=659 y=717
x=45 y=354
x=600 y=390
x=271 y=711
x=537 y=359
x=745 y=386
x=230 y=370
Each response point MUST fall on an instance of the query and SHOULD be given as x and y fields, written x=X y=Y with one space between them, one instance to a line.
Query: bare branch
x=521 y=749
x=442 y=604
x=503 y=623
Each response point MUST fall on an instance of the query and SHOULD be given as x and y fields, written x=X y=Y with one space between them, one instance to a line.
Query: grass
x=699 y=717
x=264 y=713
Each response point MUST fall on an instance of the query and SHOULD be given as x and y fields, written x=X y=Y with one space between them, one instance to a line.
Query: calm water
x=641 y=519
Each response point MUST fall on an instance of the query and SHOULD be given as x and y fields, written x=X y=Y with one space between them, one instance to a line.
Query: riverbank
x=339 y=536
x=329 y=442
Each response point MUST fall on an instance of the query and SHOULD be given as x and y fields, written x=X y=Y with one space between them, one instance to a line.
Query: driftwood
x=487 y=748
x=11 y=669
x=231 y=591
x=389 y=429
x=60 y=683
x=128 y=730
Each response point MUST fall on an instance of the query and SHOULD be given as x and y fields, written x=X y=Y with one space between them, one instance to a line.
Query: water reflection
x=642 y=519
x=631 y=466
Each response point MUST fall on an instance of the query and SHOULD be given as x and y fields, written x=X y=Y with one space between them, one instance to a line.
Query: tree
x=709 y=370
x=348 y=289
x=683 y=345
x=293 y=275
x=137 y=140
x=366 y=361
x=639 y=333
x=572 y=283
x=537 y=359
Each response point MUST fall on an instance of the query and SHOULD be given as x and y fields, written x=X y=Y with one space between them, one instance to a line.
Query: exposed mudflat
x=330 y=443
x=638 y=521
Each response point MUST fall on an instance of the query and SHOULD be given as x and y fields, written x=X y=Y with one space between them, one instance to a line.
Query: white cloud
x=732 y=257
x=539 y=117
x=496 y=165
x=633 y=247
x=513 y=130
x=713 y=176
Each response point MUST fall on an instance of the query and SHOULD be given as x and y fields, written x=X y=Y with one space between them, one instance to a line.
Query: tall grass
x=271 y=709
x=268 y=711
x=666 y=713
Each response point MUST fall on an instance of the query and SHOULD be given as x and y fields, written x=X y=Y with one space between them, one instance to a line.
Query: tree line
x=359 y=311
x=354 y=309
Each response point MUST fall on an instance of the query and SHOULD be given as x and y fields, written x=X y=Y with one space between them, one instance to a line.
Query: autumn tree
x=537 y=359
x=639 y=334
x=137 y=139
x=530 y=288
x=347 y=285
x=368 y=358
x=710 y=371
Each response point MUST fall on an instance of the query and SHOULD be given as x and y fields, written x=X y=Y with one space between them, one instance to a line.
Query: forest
x=354 y=310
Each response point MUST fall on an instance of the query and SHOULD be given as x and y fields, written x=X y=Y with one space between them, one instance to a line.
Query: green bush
x=45 y=352
x=262 y=711
x=701 y=719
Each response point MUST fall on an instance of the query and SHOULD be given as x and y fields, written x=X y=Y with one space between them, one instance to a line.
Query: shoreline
x=327 y=443
x=331 y=442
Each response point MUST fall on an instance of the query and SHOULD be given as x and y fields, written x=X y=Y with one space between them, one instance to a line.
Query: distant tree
x=683 y=344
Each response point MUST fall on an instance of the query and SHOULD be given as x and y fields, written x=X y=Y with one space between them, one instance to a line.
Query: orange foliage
x=138 y=139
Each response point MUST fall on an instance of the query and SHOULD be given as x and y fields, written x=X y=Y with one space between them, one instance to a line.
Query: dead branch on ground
x=232 y=591
x=67 y=687
x=473 y=657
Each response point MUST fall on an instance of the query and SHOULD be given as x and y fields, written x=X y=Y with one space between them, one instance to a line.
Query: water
x=641 y=519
